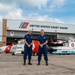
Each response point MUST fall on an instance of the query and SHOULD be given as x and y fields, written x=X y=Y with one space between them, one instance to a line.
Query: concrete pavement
x=58 y=65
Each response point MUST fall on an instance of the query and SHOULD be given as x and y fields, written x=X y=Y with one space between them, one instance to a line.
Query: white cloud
x=35 y=3
x=37 y=17
x=30 y=3
x=6 y=8
x=14 y=14
x=56 y=4
x=52 y=4
x=10 y=11
x=7 y=1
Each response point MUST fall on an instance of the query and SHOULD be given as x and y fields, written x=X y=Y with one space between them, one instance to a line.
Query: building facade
x=13 y=30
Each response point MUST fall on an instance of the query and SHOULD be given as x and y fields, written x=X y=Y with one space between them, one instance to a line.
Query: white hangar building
x=16 y=29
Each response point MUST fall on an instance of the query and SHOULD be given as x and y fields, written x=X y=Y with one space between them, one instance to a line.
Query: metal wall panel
x=17 y=34
x=38 y=25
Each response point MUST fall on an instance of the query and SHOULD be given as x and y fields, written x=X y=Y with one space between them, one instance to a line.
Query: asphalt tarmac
x=58 y=65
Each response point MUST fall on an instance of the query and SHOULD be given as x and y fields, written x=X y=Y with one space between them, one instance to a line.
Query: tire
x=22 y=52
x=37 y=54
x=13 y=54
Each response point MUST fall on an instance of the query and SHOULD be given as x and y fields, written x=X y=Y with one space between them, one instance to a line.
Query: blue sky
x=61 y=11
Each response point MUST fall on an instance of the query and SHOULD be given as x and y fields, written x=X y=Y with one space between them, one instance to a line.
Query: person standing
x=43 y=40
x=28 y=40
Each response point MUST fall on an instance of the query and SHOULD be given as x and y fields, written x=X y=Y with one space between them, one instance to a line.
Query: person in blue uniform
x=28 y=40
x=43 y=40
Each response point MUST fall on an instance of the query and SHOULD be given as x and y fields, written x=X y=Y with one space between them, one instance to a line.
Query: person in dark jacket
x=43 y=40
x=28 y=40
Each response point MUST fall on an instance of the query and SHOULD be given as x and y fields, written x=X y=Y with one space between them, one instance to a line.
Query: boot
x=46 y=63
x=38 y=63
x=24 y=62
x=29 y=63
